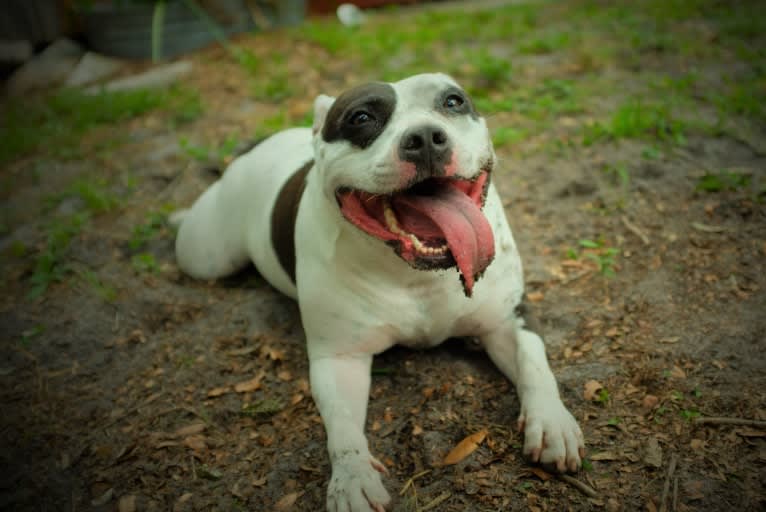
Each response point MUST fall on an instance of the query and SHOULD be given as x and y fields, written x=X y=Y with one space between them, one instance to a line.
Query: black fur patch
x=345 y=119
x=283 y=218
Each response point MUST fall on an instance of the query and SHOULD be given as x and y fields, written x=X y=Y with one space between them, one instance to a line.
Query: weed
x=620 y=173
x=207 y=153
x=690 y=414
x=603 y=256
x=28 y=334
x=104 y=291
x=614 y=421
x=248 y=60
x=651 y=153
x=724 y=180
x=144 y=262
x=587 y=465
x=696 y=393
x=603 y=397
x=155 y=222
x=546 y=43
x=49 y=266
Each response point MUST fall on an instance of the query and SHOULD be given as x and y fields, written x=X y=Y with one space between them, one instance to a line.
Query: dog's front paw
x=552 y=436
x=356 y=486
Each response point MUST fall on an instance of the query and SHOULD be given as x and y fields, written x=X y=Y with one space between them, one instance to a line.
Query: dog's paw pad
x=356 y=486
x=552 y=436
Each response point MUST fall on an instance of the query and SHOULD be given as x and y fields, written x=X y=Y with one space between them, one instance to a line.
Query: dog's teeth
x=393 y=225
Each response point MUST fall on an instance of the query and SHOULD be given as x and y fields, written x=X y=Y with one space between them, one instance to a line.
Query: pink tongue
x=461 y=222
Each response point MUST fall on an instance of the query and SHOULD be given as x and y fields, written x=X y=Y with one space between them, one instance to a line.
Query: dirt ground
x=128 y=386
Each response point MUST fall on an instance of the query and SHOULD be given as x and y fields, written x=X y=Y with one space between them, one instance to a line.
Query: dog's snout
x=425 y=146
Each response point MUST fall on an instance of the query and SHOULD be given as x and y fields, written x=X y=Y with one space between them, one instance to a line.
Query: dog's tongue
x=461 y=223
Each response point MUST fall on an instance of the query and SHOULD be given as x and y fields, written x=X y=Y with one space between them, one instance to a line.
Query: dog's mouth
x=436 y=223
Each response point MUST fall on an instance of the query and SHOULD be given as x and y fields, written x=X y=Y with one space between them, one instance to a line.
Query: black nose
x=428 y=147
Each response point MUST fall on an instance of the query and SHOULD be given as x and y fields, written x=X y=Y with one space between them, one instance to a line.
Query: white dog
x=383 y=223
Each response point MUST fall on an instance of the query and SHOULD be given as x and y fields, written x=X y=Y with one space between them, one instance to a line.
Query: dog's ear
x=321 y=106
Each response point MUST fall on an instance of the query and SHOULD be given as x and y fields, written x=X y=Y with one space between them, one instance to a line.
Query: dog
x=382 y=221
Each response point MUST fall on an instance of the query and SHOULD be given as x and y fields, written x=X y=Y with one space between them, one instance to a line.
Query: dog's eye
x=359 y=118
x=453 y=101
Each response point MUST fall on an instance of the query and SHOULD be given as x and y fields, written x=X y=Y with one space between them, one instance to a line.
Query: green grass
x=597 y=251
x=721 y=181
x=104 y=291
x=636 y=119
x=145 y=262
x=55 y=124
x=93 y=193
x=155 y=224
x=203 y=153
x=50 y=265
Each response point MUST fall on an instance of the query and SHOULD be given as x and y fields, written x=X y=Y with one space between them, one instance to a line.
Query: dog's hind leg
x=210 y=242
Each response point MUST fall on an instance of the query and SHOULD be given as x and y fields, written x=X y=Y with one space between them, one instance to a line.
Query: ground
x=632 y=143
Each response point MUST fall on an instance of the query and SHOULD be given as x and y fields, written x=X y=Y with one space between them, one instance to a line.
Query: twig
x=581 y=486
x=411 y=481
x=675 y=494
x=716 y=420
x=436 y=501
x=668 y=477
x=635 y=230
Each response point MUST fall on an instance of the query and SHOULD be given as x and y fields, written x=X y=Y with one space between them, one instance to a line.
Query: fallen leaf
x=535 y=296
x=259 y=482
x=650 y=402
x=287 y=501
x=465 y=448
x=296 y=398
x=196 y=443
x=604 y=456
x=697 y=444
x=218 y=391
x=693 y=490
x=540 y=473
x=249 y=385
x=591 y=389
x=677 y=372
x=653 y=454
x=417 y=430
x=284 y=375
x=127 y=503
x=190 y=430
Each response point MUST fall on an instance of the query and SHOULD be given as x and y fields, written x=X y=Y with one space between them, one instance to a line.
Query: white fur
x=358 y=298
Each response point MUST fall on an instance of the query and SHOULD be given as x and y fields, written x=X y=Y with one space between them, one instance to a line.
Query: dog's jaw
x=435 y=223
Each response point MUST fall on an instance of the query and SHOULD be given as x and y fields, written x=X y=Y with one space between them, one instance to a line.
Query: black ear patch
x=360 y=115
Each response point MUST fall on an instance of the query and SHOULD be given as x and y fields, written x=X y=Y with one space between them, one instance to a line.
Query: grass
x=637 y=119
x=50 y=265
x=54 y=125
x=204 y=153
x=145 y=262
x=721 y=181
x=155 y=224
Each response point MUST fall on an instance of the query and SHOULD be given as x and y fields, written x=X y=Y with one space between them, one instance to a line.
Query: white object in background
x=350 y=15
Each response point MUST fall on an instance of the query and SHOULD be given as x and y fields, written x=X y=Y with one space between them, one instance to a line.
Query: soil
x=185 y=395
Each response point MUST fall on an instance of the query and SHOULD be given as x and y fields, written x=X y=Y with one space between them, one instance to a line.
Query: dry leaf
x=249 y=385
x=218 y=391
x=540 y=473
x=287 y=501
x=284 y=375
x=196 y=443
x=604 y=456
x=650 y=402
x=591 y=389
x=417 y=430
x=653 y=455
x=296 y=398
x=535 y=296
x=465 y=448
x=127 y=503
x=190 y=430
x=677 y=372
x=697 y=444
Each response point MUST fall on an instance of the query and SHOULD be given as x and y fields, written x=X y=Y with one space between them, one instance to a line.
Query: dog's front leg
x=551 y=434
x=340 y=386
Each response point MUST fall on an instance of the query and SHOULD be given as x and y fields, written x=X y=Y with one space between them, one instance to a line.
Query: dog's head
x=409 y=163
